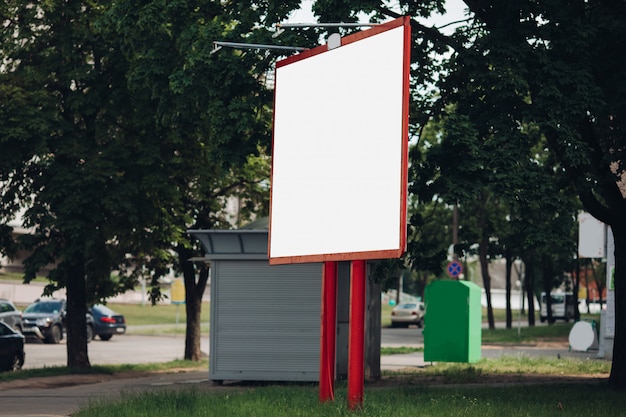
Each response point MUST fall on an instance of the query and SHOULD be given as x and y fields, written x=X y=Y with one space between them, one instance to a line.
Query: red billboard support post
x=356 y=340
x=328 y=329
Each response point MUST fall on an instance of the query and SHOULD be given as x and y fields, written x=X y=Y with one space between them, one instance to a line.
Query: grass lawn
x=145 y=315
x=56 y=371
x=488 y=388
x=404 y=401
x=19 y=278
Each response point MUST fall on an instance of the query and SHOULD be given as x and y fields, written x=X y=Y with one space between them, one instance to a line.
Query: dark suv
x=11 y=349
x=45 y=319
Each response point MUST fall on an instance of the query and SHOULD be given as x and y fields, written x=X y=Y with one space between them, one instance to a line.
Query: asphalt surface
x=133 y=349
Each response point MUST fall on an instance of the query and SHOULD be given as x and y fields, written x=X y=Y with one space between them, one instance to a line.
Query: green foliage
x=531 y=113
x=122 y=132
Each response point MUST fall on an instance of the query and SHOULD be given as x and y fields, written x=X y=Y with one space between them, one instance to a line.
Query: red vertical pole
x=356 y=341
x=328 y=332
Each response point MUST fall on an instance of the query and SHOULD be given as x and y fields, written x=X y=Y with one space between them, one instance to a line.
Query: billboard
x=339 y=152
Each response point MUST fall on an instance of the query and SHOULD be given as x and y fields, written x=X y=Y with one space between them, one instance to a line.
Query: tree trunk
x=577 y=287
x=193 y=331
x=484 y=267
x=546 y=275
x=399 y=292
x=509 y=267
x=483 y=252
x=529 y=286
x=617 y=379
x=520 y=277
x=76 y=321
x=193 y=302
x=373 y=329
x=423 y=279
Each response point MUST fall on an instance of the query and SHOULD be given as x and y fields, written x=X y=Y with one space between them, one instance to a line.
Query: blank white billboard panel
x=339 y=168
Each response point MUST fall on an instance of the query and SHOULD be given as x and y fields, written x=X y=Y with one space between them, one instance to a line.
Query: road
x=133 y=348
x=395 y=337
x=127 y=348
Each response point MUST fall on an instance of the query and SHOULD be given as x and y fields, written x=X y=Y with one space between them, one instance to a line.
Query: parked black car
x=45 y=319
x=10 y=315
x=11 y=349
x=107 y=322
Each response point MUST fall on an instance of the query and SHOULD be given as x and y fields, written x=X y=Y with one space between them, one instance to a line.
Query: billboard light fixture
x=326 y=25
x=217 y=45
x=280 y=27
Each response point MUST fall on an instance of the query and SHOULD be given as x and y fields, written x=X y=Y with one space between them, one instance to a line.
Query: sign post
x=356 y=340
x=328 y=331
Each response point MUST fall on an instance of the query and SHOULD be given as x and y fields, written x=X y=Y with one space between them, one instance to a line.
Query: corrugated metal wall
x=265 y=321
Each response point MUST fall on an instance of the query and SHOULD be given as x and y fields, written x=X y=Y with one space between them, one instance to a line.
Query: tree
x=67 y=160
x=212 y=112
x=429 y=230
x=251 y=188
x=139 y=135
x=563 y=51
x=558 y=58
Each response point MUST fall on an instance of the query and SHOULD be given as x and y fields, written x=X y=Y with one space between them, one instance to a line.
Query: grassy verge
x=166 y=329
x=103 y=369
x=503 y=370
x=399 y=350
x=512 y=366
x=18 y=278
x=406 y=401
x=457 y=393
x=161 y=319
x=144 y=315
x=557 y=332
x=552 y=333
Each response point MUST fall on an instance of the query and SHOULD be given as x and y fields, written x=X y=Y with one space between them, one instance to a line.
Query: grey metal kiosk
x=265 y=320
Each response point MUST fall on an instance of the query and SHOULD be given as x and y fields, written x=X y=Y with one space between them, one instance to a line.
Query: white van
x=563 y=305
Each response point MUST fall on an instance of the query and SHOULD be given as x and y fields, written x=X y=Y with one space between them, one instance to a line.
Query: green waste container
x=452 y=323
